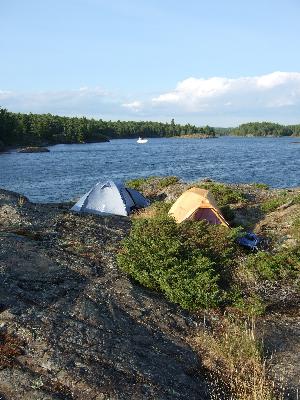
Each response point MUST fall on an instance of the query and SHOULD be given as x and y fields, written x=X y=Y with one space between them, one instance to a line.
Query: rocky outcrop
x=72 y=325
x=34 y=150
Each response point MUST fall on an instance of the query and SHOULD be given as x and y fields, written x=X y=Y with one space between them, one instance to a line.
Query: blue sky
x=218 y=62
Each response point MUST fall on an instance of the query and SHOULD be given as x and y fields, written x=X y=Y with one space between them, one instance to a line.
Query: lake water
x=68 y=171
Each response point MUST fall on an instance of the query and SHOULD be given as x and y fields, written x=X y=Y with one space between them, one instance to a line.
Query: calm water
x=70 y=170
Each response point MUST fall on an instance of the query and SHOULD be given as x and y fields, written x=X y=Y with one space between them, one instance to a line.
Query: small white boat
x=140 y=140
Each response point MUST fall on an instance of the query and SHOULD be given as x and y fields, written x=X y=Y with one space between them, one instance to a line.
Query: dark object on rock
x=34 y=150
x=250 y=241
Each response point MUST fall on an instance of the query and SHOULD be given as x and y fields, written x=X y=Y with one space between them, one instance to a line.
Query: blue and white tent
x=110 y=198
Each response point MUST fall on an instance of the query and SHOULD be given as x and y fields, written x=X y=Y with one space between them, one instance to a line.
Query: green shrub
x=159 y=182
x=227 y=213
x=157 y=208
x=296 y=198
x=263 y=186
x=296 y=223
x=251 y=305
x=282 y=198
x=273 y=203
x=167 y=181
x=296 y=228
x=189 y=262
x=215 y=241
x=137 y=183
x=223 y=194
x=282 y=265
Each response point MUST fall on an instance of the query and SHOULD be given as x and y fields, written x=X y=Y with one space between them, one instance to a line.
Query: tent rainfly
x=110 y=198
x=197 y=204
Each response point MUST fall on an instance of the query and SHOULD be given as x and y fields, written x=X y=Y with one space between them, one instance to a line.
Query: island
x=19 y=129
x=113 y=307
x=34 y=149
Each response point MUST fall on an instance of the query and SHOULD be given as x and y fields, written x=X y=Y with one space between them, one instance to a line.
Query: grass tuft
x=223 y=194
x=232 y=356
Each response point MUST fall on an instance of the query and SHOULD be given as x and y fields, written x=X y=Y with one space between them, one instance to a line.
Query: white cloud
x=278 y=78
x=134 y=106
x=192 y=88
x=278 y=89
x=5 y=94
x=83 y=101
x=215 y=101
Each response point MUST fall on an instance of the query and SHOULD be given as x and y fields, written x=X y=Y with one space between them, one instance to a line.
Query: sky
x=216 y=62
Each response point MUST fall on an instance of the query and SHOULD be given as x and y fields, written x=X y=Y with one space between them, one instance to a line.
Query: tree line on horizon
x=260 y=129
x=46 y=129
x=20 y=129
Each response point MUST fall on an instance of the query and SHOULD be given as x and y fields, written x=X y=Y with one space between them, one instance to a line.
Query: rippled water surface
x=70 y=170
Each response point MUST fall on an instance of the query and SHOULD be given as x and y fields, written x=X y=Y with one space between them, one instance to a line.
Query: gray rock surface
x=72 y=326
x=34 y=149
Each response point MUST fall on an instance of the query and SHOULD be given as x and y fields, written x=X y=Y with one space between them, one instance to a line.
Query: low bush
x=282 y=265
x=227 y=213
x=190 y=263
x=138 y=183
x=157 y=208
x=224 y=194
x=216 y=242
x=263 y=186
x=280 y=199
x=160 y=182
x=273 y=203
x=250 y=305
x=296 y=198
x=296 y=228
x=167 y=181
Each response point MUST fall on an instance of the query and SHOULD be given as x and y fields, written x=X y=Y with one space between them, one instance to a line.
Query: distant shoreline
x=18 y=148
x=194 y=136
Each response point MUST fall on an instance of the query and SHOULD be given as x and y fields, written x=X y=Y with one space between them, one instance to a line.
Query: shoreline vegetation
x=194 y=136
x=20 y=130
x=119 y=300
x=268 y=129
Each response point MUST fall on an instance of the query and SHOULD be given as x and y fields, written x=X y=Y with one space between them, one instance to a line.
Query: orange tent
x=197 y=204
